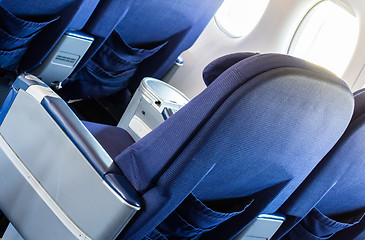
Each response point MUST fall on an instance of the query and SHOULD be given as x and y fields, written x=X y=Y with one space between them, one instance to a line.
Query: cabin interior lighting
x=237 y=18
x=327 y=36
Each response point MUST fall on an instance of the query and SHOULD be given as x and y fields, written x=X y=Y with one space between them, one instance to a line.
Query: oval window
x=237 y=18
x=327 y=36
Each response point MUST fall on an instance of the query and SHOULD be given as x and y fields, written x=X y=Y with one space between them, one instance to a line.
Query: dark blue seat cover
x=29 y=29
x=133 y=39
x=238 y=149
x=114 y=140
x=149 y=37
x=343 y=205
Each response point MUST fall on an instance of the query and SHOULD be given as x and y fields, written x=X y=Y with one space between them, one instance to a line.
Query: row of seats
x=254 y=141
x=264 y=126
x=132 y=39
x=146 y=42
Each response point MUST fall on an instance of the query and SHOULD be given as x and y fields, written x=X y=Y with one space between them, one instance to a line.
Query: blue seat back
x=145 y=42
x=30 y=29
x=335 y=188
x=254 y=134
x=101 y=24
x=125 y=34
x=351 y=150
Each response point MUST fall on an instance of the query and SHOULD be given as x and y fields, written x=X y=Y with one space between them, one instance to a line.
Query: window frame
x=307 y=17
x=246 y=33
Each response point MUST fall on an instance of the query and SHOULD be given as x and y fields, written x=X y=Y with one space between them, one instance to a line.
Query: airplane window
x=237 y=18
x=327 y=36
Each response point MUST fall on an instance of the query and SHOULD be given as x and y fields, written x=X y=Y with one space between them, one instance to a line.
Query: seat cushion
x=113 y=139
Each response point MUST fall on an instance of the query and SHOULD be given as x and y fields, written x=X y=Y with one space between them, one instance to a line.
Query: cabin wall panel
x=272 y=34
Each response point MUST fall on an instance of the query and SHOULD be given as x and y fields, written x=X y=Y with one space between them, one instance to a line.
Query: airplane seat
x=145 y=43
x=260 y=128
x=30 y=29
x=133 y=160
x=77 y=28
x=340 y=208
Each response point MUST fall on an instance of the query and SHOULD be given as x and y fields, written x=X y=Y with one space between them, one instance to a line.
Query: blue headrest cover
x=218 y=66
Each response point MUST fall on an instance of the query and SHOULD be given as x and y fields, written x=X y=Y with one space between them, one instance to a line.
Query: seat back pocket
x=15 y=35
x=318 y=226
x=192 y=218
x=114 y=63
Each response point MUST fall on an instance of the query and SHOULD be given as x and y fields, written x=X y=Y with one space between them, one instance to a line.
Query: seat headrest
x=218 y=66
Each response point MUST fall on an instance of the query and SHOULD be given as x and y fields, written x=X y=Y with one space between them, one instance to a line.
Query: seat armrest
x=56 y=181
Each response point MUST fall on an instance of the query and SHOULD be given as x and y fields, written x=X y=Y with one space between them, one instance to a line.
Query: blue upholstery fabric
x=111 y=67
x=318 y=226
x=359 y=103
x=149 y=37
x=15 y=35
x=192 y=218
x=321 y=225
x=355 y=232
x=218 y=66
x=7 y=104
x=180 y=23
x=343 y=205
x=113 y=139
x=29 y=29
x=101 y=24
x=254 y=134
